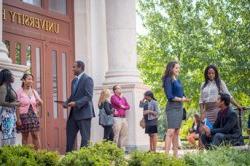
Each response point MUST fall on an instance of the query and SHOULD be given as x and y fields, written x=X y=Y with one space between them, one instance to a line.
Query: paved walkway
x=182 y=152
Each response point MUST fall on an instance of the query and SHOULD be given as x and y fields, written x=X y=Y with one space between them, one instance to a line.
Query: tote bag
x=104 y=119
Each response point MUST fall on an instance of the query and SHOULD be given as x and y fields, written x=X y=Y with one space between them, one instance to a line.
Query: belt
x=119 y=116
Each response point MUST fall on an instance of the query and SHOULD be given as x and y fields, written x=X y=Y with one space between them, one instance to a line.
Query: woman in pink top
x=27 y=114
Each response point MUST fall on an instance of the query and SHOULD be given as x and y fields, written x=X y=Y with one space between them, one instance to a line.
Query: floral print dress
x=8 y=114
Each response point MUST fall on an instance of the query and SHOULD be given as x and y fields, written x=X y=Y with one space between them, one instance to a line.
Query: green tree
x=196 y=33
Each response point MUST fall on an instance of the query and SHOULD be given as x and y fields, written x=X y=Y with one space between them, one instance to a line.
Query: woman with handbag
x=8 y=104
x=150 y=114
x=27 y=114
x=174 y=92
x=106 y=119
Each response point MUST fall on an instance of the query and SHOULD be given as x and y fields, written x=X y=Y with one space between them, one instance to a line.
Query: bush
x=83 y=157
x=45 y=158
x=17 y=155
x=108 y=154
x=221 y=156
x=26 y=155
x=99 y=154
x=156 y=159
x=111 y=152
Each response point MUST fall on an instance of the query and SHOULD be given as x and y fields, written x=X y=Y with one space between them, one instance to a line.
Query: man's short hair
x=115 y=87
x=80 y=64
x=226 y=98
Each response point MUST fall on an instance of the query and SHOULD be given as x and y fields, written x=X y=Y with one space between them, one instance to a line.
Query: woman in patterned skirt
x=8 y=104
x=27 y=114
x=210 y=90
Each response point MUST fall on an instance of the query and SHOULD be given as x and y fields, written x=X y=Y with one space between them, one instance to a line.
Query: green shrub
x=108 y=154
x=155 y=159
x=83 y=157
x=45 y=158
x=99 y=154
x=17 y=155
x=221 y=156
x=26 y=155
x=111 y=152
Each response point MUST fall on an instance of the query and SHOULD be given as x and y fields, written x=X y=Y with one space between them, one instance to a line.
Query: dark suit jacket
x=83 y=95
x=227 y=123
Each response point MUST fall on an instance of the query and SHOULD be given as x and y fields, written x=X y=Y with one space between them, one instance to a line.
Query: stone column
x=122 y=61
x=3 y=50
x=83 y=33
x=99 y=54
x=121 y=34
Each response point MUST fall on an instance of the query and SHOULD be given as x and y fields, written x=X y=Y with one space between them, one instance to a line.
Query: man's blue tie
x=75 y=82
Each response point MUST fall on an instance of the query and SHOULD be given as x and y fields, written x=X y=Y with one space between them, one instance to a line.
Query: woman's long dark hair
x=150 y=94
x=6 y=77
x=169 y=70
x=24 y=77
x=216 y=78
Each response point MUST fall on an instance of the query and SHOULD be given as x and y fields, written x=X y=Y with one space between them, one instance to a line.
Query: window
x=38 y=74
x=38 y=70
x=54 y=77
x=28 y=56
x=33 y=2
x=64 y=81
x=18 y=53
x=58 y=6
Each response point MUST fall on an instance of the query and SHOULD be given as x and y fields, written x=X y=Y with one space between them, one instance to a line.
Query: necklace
x=28 y=92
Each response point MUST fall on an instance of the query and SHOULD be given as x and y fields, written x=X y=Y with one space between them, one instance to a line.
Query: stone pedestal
x=137 y=139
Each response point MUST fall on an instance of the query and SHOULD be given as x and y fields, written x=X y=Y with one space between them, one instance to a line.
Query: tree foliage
x=196 y=33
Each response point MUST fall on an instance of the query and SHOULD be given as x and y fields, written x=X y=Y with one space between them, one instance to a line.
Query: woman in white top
x=210 y=90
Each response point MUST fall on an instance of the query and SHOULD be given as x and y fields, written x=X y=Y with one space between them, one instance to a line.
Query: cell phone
x=59 y=101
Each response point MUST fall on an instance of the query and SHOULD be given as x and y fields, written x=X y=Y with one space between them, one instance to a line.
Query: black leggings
x=108 y=133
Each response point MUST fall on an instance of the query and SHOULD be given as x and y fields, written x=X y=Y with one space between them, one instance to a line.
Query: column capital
x=120 y=77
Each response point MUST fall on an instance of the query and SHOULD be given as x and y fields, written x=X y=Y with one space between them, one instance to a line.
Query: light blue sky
x=139 y=27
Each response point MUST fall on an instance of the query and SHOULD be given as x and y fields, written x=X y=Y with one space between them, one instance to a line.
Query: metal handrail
x=240 y=115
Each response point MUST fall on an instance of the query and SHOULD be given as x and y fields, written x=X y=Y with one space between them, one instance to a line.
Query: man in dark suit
x=81 y=107
x=226 y=127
